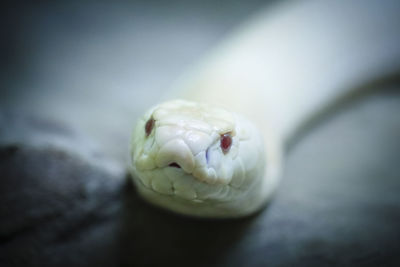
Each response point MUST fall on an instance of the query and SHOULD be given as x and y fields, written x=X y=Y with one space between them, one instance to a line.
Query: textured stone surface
x=55 y=210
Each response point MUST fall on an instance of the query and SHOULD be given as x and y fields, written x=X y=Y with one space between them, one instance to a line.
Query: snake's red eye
x=149 y=126
x=226 y=142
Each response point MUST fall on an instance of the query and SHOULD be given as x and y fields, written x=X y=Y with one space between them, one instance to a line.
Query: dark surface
x=55 y=210
x=338 y=205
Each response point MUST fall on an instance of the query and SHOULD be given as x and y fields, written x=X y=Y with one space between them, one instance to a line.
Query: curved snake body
x=218 y=152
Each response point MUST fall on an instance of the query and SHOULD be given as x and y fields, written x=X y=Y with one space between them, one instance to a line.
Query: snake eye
x=226 y=142
x=149 y=126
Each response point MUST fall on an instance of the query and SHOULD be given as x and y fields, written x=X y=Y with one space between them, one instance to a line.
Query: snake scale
x=214 y=148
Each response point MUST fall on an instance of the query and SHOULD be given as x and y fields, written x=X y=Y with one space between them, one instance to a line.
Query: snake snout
x=175 y=153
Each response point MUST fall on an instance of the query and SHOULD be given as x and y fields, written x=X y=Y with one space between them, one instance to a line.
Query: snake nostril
x=174 y=164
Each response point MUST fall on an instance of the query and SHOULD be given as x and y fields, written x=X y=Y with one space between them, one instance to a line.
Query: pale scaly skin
x=210 y=183
x=281 y=70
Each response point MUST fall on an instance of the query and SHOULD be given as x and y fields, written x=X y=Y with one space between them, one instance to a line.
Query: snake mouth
x=175 y=165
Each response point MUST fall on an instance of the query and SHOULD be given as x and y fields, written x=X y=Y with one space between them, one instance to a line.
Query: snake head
x=195 y=158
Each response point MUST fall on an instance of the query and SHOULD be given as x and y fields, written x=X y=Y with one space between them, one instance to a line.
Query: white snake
x=204 y=158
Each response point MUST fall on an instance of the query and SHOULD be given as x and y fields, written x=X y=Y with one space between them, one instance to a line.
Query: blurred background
x=74 y=73
x=89 y=62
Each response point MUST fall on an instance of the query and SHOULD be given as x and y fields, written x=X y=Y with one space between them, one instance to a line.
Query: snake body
x=217 y=153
